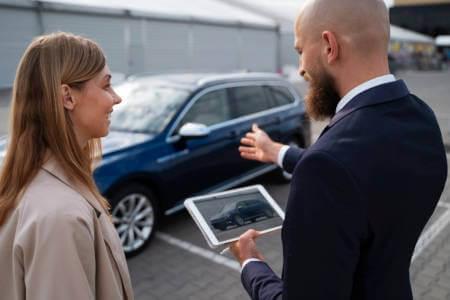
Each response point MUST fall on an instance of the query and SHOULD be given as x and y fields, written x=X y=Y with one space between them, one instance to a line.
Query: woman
x=57 y=240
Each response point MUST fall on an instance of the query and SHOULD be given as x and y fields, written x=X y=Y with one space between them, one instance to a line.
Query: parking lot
x=180 y=265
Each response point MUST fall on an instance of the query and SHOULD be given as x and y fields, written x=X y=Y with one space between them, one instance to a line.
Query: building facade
x=431 y=17
x=137 y=41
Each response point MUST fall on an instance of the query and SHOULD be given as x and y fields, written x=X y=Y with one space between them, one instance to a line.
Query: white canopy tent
x=405 y=35
x=443 y=41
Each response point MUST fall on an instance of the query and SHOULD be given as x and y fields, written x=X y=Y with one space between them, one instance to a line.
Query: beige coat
x=59 y=244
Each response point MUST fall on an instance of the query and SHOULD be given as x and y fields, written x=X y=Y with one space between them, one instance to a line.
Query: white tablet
x=223 y=217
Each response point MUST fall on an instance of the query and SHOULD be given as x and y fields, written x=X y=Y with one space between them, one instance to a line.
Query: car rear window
x=280 y=95
x=248 y=100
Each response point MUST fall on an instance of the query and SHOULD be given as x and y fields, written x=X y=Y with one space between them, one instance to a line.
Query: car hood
x=220 y=216
x=118 y=140
x=115 y=141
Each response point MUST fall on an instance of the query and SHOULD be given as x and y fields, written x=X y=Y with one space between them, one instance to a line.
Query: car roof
x=197 y=80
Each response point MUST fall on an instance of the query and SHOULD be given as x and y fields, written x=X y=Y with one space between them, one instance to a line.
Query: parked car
x=176 y=136
x=239 y=213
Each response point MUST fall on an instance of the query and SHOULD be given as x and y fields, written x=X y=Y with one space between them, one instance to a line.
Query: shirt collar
x=363 y=87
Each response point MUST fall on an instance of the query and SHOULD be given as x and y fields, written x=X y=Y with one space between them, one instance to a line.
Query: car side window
x=212 y=108
x=248 y=100
x=280 y=95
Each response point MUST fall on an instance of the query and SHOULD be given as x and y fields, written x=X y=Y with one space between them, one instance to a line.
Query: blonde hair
x=39 y=122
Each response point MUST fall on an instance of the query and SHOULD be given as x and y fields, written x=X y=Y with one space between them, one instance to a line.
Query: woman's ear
x=67 y=97
x=331 y=47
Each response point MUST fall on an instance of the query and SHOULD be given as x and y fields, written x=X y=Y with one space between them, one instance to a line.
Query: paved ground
x=179 y=264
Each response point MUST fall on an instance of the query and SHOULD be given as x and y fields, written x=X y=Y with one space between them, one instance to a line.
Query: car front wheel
x=135 y=216
x=238 y=220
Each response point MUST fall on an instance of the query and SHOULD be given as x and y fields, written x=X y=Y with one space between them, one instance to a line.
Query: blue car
x=177 y=135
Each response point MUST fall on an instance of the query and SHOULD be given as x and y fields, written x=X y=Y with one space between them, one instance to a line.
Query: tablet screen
x=230 y=214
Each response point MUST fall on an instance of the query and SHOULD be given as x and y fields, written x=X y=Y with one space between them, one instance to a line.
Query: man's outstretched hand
x=257 y=145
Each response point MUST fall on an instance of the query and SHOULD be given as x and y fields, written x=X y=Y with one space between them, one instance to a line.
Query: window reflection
x=210 y=109
x=146 y=107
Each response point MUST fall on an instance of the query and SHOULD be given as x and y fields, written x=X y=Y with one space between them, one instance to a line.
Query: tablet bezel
x=213 y=242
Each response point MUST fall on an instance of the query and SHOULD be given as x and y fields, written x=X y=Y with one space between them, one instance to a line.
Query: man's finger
x=250 y=135
x=234 y=246
x=255 y=127
x=247 y=141
x=251 y=234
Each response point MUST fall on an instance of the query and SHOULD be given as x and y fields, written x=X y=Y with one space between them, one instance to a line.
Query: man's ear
x=67 y=97
x=331 y=46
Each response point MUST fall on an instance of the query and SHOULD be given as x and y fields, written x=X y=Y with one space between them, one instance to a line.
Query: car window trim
x=172 y=137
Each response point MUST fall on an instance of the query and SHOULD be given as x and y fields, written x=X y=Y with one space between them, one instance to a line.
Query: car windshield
x=146 y=108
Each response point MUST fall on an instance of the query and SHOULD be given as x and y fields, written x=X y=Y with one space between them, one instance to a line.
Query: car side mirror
x=192 y=130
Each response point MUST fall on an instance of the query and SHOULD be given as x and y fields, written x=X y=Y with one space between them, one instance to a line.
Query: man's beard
x=322 y=97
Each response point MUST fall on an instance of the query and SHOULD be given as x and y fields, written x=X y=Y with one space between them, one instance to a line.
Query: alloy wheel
x=134 y=219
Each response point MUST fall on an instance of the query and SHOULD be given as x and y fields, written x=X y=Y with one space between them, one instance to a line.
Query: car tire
x=282 y=175
x=135 y=215
x=238 y=220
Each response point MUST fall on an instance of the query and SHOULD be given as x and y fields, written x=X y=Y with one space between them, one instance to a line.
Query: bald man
x=361 y=195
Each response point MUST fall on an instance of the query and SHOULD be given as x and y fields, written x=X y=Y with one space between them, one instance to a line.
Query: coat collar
x=380 y=94
x=53 y=167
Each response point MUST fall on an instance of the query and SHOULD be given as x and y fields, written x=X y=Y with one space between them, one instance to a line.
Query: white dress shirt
x=346 y=99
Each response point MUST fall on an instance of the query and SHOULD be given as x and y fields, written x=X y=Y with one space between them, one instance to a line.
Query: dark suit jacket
x=359 y=199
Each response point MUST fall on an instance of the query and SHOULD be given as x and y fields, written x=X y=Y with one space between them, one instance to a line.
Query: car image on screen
x=242 y=212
